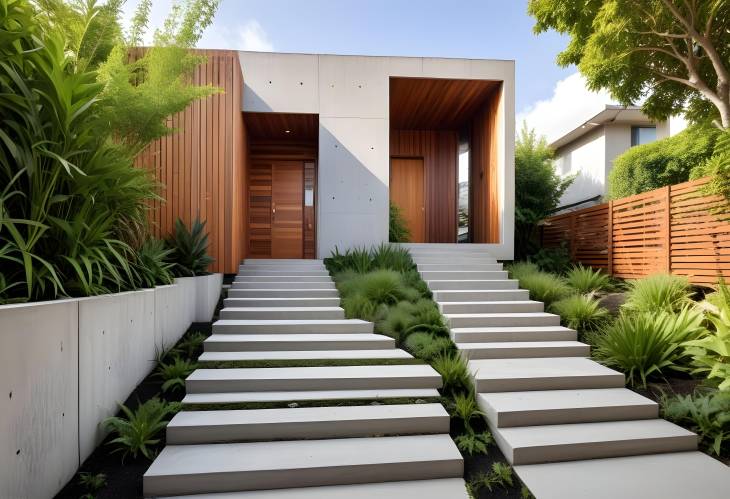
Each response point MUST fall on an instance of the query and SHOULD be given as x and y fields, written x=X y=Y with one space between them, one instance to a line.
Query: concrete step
x=281 y=302
x=296 y=342
x=444 y=275
x=490 y=307
x=232 y=356
x=282 y=278
x=456 y=295
x=500 y=334
x=191 y=469
x=282 y=313
x=569 y=442
x=451 y=488
x=301 y=326
x=306 y=396
x=283 y=285
x=306 y=423
x=553 y=373
x=283 y=293
x=313 y=378
x=472 y=284
x=265 y=271
x=283 y=261
x=523 y=349
x=550 y=407
x=428 y=267
x=441 y=259
x=657 y=476
x=515 y=319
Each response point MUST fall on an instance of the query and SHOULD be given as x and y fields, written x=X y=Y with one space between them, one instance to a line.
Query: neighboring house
x=302 y=153
x=589 y=149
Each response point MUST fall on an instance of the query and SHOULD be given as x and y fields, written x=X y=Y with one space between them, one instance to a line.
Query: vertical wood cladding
x=439 y=150
x=202 y=166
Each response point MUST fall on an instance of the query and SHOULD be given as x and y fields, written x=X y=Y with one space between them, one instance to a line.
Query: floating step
x=313 y=378
x=306 y=423
x=444 y=275
x=382 y=354
x=281 y=302
x=283 y=293
x=472 y=284
x=309 y=396
x=301 y=326
x=465 y=260
x=510 y=319
x=509 y=334
x=550 y=407
x=569 y=442
x=281 y=313
x=283 y=261
x=490 y=307
x=265 y=271
x=523 y=349
x=451 y=488
x=456 y=295
x=283 y=285
x=282 y=278
x=296 y=342
x=554 y=373
x=190 y=469
x=428 y=267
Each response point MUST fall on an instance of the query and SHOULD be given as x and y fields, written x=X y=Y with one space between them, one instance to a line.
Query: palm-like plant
x=153 y=265
x=658 y=292
x=174 y=373
x=587 y=280
x=136 y=433
x=190 y=249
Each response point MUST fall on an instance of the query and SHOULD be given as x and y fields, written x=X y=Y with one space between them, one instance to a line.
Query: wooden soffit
x=282 y=126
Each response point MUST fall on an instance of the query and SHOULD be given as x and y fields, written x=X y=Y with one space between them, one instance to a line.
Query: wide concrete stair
x=316 y=430
x=552 y=410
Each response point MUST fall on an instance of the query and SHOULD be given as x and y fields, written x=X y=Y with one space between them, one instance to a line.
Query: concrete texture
x=315 y=326
x=390 y=353
x=271 y=342
x=310 y=396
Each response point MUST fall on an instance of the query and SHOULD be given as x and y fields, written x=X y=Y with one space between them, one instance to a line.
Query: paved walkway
x=318 y=442
x=567 y=424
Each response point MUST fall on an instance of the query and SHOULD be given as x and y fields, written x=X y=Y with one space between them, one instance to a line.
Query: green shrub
x=190 y=346
x=356 y=260
x=586 y=280
x=465 y=407
x=190 y=249
x=544 y=287
x=382 y=286
x=406 y=318
x=174 y=373
x=357 y=306
x=646 y=344
x=153 y=264
x=658 y=292
x=500 y=475
x=663 y=162
x=717 y=167
x=391 y=257
x=455 y=374
x=413 y=280
x=706 y=414
x=555 y=260
x=517 y=270
x=92 y=483
x=136 y=432
x=473 y=443
x=426 y=346
x=582 y=313
x=398 y=231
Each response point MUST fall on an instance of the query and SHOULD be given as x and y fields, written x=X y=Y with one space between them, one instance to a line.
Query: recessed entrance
x=407 y=192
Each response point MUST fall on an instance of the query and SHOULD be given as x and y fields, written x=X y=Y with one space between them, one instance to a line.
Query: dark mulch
x=669 y=386
x=612 y=301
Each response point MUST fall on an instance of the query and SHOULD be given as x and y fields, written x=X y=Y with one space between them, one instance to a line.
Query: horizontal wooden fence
x=677 y=229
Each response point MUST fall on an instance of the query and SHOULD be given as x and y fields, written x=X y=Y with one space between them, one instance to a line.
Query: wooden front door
x=287 y=209
x=407 y=192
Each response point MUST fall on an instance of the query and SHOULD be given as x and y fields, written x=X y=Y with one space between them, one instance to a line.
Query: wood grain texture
x=202 y=166
x=407 y=191
x=484 y=201
x=287 y=209
x=274 y=126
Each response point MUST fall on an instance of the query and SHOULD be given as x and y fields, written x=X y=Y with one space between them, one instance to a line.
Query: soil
x=612 y=301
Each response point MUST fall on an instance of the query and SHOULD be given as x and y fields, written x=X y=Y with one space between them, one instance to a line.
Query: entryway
x=407 y=192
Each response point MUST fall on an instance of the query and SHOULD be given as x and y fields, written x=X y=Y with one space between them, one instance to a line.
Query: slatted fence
x=677 y=229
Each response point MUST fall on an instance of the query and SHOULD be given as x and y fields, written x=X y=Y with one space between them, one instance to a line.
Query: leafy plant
x=517 y=270
x=581 y=312
x=189 y=346
x=137 y=430
x=190 y=248
x=398 y=231
x=474 y=443
x=92 y=482
x=391 y=257
x=545 y=287
x=658 y=292
x=454 y=373
x=153 y=264
x=382 y=286
x=174 y=373
x=554 y=259
x=356 y=260
x=587 y=280
x=426 y=346
x=717 y=167
x=500 y=475
x=707 y=414
x=465 y=407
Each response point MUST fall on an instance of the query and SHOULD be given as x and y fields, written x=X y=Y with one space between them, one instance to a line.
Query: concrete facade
x=351 y=96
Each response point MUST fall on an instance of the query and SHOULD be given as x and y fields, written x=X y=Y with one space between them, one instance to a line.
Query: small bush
x=500 y=475
x=398 y=231
x=707 y=414
x=382 y=286
x=390 y=257
x=137 y=432
x=174 y=373
x=544 y=287
x=582 y=313
x=153 y=265
x=190 y=346
x=586 y=280
x=427 y=347
x=413 y=280
x=555 y=260
x=355 y=260
x=518 y=270
x=357 y=306
x=658 y=292
x=455 y=374
x=465 y=407
x=473 y=443
x=189 y=249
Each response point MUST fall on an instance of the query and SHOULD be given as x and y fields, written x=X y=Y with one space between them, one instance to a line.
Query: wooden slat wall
x=675 y=229
x=202 y=166
x=439 y=150
x=484 y=202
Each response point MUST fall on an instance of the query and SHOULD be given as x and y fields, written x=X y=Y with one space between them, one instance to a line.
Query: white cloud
x=253 y=37
x=570 y=105
x=248 y=36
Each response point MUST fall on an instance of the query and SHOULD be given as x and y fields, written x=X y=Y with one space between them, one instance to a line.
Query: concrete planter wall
x=65 y=364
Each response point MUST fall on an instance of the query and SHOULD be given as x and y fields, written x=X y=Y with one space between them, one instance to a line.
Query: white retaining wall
x=65 y=364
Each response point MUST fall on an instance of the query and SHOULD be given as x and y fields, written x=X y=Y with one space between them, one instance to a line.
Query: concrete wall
x=351 y=96
x=65 y=365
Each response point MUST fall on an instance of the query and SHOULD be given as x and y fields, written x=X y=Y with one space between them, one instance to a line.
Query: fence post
x=668 y=229
x=609 y=238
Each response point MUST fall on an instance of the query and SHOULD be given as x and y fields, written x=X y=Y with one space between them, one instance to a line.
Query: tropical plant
x=454 y=373
x=382 y=287
x=153 y=265
x=189 y=346
x=545 y=287
x=587 y=280
x=465 y=407
x=136 y=431
x=190 y=249
x=356 y=259
x=474 y=443
x=517 y=270
x=92 y=482
x=398 y=231
x=658 y=292
x=391 y=257
x=173 y=373
x=706 y=414
x=581 y=312
x=500 y=475
x=645 y=345
x=553 y=259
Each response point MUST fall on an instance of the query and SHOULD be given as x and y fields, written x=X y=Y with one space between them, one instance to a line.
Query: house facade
x=301 y=154
x=588 y=150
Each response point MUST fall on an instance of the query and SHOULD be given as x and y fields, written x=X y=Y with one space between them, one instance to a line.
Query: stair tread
x=329 y=372
x=538 y=368
x=283 y=337
x=490 y=329
x=284 y=309
x=488 y=315
x=496 y=345
x=309 y=395
x=304 y=355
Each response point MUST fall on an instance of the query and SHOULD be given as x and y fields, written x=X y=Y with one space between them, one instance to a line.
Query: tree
x=538 y=188
x=673 y=53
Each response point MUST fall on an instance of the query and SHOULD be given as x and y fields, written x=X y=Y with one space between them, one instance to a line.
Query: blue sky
x=489 y=29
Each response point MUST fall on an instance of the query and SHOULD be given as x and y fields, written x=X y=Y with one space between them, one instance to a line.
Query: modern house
x=302 y=153
x=589 y=149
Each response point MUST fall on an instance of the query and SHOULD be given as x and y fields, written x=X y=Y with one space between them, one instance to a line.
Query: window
x=642 y=135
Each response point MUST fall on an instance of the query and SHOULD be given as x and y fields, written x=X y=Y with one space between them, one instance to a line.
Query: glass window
x=642 y=135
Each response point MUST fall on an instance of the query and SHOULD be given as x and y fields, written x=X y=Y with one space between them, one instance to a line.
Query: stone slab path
x=288 y=311
x=567 y=424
